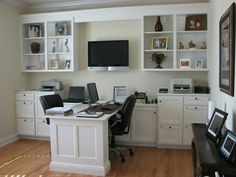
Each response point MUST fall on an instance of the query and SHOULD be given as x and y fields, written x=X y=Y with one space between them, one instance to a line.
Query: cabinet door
x=25 y=126
x=42 y=128
x=25 y=109
x=39 y=113
x=144 y=124
x=170 y=134
x=195 y=114
x=170 y=109
x=187 y=135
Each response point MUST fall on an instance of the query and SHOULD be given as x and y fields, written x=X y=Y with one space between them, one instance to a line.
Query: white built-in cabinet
x=174 y=31
x=31 y=120
x=47 y=45
x=143 y=126
x=176 y=113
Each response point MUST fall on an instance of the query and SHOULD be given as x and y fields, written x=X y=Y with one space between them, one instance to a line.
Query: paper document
x=58 y=110
x=89 y=114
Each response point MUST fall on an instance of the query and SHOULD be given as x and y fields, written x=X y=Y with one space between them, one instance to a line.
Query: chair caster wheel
x=131 y=153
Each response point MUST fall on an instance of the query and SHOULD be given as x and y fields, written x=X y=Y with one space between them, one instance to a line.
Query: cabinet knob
x=43 y=121
x=24 y=103
x=160 y=101
x=195 y=98
x=24 y=95
x=25 y=120
x=195 y=107
x=154 y=112
x=170 y=127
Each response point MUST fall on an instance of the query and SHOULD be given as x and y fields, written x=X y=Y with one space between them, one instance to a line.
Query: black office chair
x=50 y=101
x=120 y=124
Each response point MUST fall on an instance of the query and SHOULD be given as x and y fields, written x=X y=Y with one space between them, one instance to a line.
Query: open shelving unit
x=56 y=53
x=174 y=30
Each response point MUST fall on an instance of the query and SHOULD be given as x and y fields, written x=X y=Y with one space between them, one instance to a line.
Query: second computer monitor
x=92 y=93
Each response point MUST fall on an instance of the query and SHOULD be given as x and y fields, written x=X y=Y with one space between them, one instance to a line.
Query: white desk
x=80 y=145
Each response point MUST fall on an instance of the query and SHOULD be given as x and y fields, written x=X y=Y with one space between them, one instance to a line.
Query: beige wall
x=221 y=100
x=134 y=79
x=11 y=77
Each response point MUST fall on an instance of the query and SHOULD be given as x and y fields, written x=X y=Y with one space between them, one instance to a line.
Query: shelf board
x=33 y=54
x=191 y=50
x=60 y=53
x=158 y=50
x=44 y=70
x=59 y=37
x=158 y=32
x=170 y=69
x=187 y=32
x=34 y=38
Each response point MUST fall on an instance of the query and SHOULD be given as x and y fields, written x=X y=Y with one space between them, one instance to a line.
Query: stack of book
x=59 y=111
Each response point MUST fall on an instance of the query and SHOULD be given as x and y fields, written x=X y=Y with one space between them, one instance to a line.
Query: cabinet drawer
x=195 y=100
x=187 y=135
x=195 y=114
x=42 y=128
x=25 y=126
x=170 y=135
x=24 y=97
x=25 y=109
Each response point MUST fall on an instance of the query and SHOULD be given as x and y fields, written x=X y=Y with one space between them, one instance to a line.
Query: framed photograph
x=199 y=64
x=54 y=63
x=34 y=31
x=67 y=65
x=228 y=146
x=227 y=51
x=61 y=28
x=159 y=43
x=196 y=22
x=216 y=123
x=184 y=63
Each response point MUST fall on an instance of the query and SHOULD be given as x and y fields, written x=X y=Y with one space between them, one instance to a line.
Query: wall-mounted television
x=108 y=55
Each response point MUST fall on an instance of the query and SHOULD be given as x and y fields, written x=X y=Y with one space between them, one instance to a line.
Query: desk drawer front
x=24 y=97
x=195 y=100
x=195 y=114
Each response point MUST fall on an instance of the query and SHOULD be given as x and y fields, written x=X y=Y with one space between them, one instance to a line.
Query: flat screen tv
x=108 y=55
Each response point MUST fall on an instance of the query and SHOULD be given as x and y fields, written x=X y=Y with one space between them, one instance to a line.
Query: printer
x=181 y=85
x=51 y=85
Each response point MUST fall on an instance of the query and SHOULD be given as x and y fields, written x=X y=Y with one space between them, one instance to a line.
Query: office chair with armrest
x=50 y=101
x=120 y=124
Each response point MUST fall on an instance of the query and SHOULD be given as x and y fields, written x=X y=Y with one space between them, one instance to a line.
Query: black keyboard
x=108 y=106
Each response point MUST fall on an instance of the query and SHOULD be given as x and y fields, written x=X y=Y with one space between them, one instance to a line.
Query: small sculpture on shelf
x=66 y=46
x=191 y=45
x=54 y=47
x=35 y=47
x=158 y=59
x=158 y=26
x=181 y=45
x=203 y=46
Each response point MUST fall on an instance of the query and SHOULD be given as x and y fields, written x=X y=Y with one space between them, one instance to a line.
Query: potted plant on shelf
x=158 y=58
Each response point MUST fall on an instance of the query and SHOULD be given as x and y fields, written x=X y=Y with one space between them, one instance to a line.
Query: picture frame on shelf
x=227 y=51
x=184 y=63
x=61 y=28
x=67 y=64
x=159 y=43
x=34 y=31
x=228 y=146
x=199 y=64
x=54 y=63
x=196 y=22
x=215 y=125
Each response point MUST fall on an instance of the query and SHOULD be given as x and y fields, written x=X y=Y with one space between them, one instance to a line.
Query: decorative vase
x=158 y=26
x=35 y=47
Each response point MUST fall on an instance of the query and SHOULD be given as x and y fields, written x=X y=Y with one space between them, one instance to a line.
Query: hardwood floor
x=31 y=158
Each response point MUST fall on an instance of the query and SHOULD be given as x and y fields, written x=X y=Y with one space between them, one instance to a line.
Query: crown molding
x=18 y=4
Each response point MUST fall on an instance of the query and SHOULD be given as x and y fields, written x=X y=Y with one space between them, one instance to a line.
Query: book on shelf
x=89 y=114
x=59 y=111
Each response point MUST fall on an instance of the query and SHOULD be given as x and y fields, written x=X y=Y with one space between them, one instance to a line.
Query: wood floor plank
x=32 y=158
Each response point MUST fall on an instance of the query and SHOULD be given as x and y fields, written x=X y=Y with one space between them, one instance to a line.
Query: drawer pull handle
x=44 y=121
x=170 y=127
x=25 y=120
x=195 y=98
x=195 y=107
x=160 y=101
x=154 y=112
x=24 y=95
x=24 y=103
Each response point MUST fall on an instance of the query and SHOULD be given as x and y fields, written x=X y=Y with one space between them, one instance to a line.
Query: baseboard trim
x=82 y=169
x=8 y=139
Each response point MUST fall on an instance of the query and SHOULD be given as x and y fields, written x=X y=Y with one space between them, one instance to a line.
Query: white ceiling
x=58 y=5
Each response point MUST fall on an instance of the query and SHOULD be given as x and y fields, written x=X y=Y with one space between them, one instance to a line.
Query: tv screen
x=108 y=53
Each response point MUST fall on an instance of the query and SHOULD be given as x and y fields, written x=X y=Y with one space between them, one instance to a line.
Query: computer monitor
x=76 y=93
x=92 y=93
